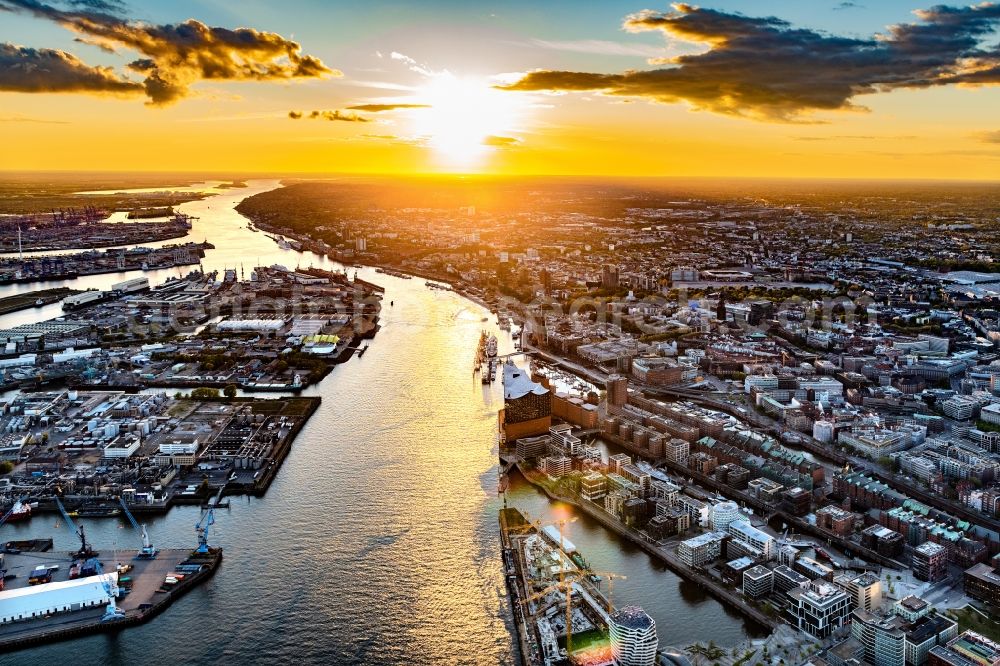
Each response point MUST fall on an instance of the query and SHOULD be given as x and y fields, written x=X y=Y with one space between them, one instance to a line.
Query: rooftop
x=632 y=617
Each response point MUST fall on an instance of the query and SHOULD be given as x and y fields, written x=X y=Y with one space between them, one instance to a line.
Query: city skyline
x=900 y=90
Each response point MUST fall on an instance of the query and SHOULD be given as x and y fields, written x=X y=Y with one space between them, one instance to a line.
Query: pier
x=148 y=595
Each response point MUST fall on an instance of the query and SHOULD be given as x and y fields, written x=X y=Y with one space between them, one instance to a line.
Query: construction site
x=560 y=612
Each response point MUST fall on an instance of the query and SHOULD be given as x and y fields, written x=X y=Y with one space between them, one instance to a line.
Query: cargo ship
x=20 y=511
x=98 y=511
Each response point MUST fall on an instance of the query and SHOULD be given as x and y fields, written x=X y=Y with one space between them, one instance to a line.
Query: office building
x=982 y=582
x=866 y=592
x=593 y=486
x=724 y=514
x=633 y=637
x=701 y=550
x=820 y=609
x=748 y=540
x=967 y=649
x=758 y=582
x=882 y=638
x=926 y=633
x=786 y=579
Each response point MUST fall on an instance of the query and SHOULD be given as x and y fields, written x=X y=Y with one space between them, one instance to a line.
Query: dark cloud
x=177 y=56
x=107 y=6
x=28 y=119
x=378 y=108
x=847 y=5
x=988 y=137
x=501 y=141
x=107 y=48
x=328 y=115
x=764 y=68
x=29 y=70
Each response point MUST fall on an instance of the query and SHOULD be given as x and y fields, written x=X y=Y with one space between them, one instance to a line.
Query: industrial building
x=25 y=603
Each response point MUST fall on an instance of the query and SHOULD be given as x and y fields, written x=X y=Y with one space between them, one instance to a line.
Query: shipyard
x=61 y=266
x=88 y=227
x=191 y=332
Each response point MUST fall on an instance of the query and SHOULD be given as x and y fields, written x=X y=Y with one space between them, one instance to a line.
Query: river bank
x=672 y=561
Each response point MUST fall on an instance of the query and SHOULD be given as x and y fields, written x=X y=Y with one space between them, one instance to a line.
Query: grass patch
x=970 y=618
x=586 y=640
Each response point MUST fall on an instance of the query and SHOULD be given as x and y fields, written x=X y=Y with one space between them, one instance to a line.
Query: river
x=378 y=541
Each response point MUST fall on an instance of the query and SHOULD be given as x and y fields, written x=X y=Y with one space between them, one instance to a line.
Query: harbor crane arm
x=85 y=551
x=147 y=550
x=201 y=527
x=110 y=585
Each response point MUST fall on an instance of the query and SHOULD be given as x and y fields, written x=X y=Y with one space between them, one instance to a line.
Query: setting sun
x=466 y=118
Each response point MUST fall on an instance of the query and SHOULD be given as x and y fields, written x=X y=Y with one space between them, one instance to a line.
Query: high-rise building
x=617 y=391
x=609 y=277
x=866 y=592
x=527 y=408
x=633 y=637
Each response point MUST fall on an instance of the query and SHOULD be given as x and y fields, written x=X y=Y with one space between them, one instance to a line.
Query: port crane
x=201 y=527
x=147 y=552
x=85 y=552
x=110 y=585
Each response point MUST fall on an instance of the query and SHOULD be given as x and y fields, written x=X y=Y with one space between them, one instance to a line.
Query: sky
x=803 y=89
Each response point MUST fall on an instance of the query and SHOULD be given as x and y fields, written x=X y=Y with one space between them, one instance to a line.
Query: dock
x=148 y=594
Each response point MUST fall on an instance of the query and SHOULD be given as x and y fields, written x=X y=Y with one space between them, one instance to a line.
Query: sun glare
x=465 y=117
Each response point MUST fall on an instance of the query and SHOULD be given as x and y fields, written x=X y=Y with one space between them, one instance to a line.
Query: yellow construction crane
x=611 y=584
x=565 y=585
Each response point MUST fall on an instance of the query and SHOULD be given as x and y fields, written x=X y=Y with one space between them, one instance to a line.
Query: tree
x=229 y=391
x=6 y=467
x=205 y=392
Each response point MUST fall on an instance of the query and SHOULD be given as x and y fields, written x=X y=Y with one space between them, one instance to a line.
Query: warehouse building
x=25 y=603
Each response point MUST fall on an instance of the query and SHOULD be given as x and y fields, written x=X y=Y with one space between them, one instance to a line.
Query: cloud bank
x=174 y=56
x=328 y=115
x=766 y=69
x=29 y=70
